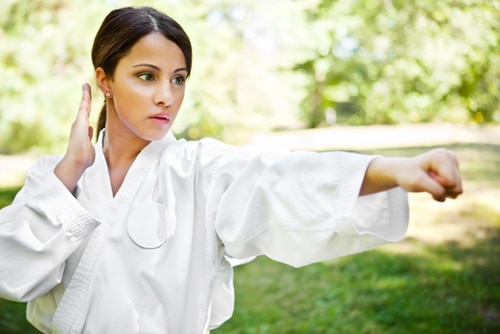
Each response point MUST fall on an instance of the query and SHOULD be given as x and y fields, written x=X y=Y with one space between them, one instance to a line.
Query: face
x=147 y=89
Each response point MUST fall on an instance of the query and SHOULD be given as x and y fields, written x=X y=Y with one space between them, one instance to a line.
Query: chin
x=155 y=136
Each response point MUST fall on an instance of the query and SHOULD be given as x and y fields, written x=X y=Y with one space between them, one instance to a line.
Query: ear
x=103 y=81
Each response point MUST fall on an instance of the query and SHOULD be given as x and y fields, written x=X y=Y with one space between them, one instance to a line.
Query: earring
x=108 y=95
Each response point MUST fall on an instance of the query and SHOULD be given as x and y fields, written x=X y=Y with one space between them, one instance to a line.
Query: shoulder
x=203 y=148
x=187 y=154
x=207 y=149
x=209 y=156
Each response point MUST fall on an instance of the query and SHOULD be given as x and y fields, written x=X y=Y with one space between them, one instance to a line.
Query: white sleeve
x=302 y=207
x=43 y=226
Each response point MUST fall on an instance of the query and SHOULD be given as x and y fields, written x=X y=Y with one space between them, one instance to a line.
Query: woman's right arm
x=45 y=223
x=42 y=227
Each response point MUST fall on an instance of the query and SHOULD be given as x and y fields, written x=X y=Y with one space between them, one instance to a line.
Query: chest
x=117 y=176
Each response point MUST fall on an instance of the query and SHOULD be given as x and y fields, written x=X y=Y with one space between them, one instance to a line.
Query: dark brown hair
x=122 y=28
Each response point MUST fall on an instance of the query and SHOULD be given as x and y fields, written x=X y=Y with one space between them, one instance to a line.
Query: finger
x=452 y=191
x=428 y=183
x=439 y=198
x=449 y=175
x=457 y=188
x=443 y=168
x=458 y=177
x=85 y=103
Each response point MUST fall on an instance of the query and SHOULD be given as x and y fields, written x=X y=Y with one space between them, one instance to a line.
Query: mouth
x=160 y=118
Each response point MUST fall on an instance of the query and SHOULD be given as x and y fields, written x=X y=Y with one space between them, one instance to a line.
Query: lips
x=160 y=118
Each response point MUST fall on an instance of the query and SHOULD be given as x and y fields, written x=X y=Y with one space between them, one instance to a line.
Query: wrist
x=382 y=174
x=69 y=172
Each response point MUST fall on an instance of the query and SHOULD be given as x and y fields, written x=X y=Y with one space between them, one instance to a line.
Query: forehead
x=156 y=49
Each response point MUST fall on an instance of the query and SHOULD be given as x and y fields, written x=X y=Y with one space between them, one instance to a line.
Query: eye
x=180 y=80
x=146 y=76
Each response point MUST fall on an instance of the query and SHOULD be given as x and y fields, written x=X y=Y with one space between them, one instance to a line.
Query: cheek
x=131 y=96
x=179 y=98
x=135 y=92
x=177 y=106
x=128 y=87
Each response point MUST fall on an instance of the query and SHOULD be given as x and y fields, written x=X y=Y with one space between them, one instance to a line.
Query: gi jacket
x=154 y=257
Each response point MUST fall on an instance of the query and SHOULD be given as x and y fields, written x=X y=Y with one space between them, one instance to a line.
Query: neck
x=120 y=146
x=120 y=153
x=118 y=150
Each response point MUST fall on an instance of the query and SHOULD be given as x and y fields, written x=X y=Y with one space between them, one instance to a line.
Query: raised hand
x=80 y=153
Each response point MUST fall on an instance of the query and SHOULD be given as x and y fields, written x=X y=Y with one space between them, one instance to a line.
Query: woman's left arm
x=436 y=172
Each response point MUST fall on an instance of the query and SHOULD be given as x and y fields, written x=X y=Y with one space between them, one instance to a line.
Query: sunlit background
x=378 y=76
x=264 y=65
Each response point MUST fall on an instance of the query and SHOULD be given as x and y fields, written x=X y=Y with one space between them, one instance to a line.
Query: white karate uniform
x=153 y=258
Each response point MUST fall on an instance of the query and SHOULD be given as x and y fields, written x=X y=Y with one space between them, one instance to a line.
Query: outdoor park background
x=377 y=76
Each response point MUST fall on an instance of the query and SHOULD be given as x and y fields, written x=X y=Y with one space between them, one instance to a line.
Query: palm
x=80 y=149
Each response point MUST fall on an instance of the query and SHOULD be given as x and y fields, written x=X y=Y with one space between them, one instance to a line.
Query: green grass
x=445 y=289
x=7 y=195
x=415 y=286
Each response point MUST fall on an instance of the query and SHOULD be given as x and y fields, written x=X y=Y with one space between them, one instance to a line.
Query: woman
x=133 y=234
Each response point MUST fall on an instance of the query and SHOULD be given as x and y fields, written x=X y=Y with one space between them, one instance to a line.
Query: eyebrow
x=157 y=68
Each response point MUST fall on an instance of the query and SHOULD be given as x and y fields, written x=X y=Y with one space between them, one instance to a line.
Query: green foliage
x=235 y=86
x=259 y=65
x=404 y=61
x=7 y=196
x=20 y=135
x=42 y=54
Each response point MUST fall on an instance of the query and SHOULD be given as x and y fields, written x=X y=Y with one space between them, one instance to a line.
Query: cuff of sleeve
x=390 y=222
x=56 y=202
x=347 y=199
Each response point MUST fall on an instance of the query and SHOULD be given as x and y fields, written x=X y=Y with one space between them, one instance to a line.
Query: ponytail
x=101 y=122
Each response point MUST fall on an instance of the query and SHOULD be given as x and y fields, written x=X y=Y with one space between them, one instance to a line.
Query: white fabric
x=85 y=268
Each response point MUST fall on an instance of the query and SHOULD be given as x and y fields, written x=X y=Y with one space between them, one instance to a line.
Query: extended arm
x=435 y=172
x=305 y=207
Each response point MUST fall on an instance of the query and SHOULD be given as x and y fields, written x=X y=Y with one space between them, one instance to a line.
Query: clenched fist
x=435 y=172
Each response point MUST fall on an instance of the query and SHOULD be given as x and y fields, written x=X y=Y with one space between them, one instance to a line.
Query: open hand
x=80 y=149
x=80 y=153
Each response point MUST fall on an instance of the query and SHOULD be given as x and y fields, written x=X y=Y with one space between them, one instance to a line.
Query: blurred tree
x=258 y=63
x=235 y=86
x=42 y=53
x=390 y=61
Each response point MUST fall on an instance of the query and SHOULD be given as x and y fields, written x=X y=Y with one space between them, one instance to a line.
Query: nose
x=164 y=95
